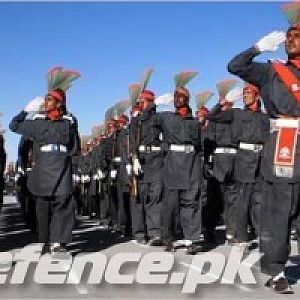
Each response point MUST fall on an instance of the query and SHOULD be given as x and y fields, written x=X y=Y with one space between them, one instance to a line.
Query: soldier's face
x=50 y=103
x=249 y=97
x=111 y=129
x=180 y=100
x=292 y=44
x=145 y=104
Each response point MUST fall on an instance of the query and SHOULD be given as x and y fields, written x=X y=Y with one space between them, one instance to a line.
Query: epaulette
x=277 y=60
x=69 y=118
x=38 y=116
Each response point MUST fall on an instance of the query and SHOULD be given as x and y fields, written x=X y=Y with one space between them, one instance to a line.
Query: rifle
x=134 y=181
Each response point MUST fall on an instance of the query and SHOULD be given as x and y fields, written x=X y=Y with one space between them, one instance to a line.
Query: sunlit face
x=111 y=128
x=180 y=100
x=292 y=44
x=145 y=104
x=249 y=96
x=51 y=103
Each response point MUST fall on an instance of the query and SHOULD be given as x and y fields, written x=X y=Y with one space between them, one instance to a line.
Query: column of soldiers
x=164 y=176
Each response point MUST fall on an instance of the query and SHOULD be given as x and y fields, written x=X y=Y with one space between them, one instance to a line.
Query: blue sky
x=112 y=43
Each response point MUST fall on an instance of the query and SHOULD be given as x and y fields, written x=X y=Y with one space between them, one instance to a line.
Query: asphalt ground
x=93 y=242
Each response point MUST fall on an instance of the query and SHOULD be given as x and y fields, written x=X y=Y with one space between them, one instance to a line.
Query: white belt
x=117 y=159
x=148 y=149
x=28 y=169
x=222 y=150
x=182 y=148
x=251 y=147
x=53 y=147
x=275 y=124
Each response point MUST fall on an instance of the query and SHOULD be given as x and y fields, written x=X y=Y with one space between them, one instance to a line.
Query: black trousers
x=55 y=216
x=280 y=206
x=112 y=200
x=229 y=191
x=187 y=202
x=247 y=208
x=124 y=214
x=211 y=199
x=146 y=210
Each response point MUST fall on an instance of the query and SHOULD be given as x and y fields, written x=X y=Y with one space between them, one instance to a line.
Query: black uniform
x=121 y=159
x=109 y=183
x=84 y=170
x=181 y=175
x=223 y=169
x=280 y=203
x=24 y=167
x=145 y=141
x=54 y=144
x=2 y=169
x=94 y=200
x=211 y=199
x=250 y=132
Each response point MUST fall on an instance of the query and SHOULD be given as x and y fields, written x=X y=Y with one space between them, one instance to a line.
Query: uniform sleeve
x=219 y=116
x=21 y=126
x=243 y=66
x=75 y=141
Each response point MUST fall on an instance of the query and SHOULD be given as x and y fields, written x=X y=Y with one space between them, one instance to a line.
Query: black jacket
x=51 y=174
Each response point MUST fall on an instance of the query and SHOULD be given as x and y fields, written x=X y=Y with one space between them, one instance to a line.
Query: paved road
x=96 y=244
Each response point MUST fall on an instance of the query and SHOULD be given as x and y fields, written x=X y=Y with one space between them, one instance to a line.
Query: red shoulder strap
x=291 y=82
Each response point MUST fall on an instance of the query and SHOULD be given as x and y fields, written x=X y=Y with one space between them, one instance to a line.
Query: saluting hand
x=271 y=41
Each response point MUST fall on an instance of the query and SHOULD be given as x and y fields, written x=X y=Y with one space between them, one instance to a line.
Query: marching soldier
x=181 y=172
x=223 y=162
x=211 y=207
x=122 y=162
x=250 y=130
x=147 y=158
x=55 y=141
x=279 y=85
x=109 y=173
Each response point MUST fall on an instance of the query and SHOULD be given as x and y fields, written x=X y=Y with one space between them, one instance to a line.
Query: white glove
x=271 y=41
x=34 y=104
x=85 y=178
x=17 y=176
x=95 y=177
x=137 y=168
x=164 y=99
x=76 y=178
x=100 y=174
x=129 y=169
x=234 y=95
x=113 y=174
x=135 y=114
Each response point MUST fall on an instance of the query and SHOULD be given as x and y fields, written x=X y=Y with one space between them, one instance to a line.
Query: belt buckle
x=148 y=149
x=256 y=148
x=188 y=149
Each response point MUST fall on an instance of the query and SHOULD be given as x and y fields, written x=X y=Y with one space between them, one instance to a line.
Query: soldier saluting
x=279 y=86
x=55 y=141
